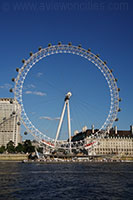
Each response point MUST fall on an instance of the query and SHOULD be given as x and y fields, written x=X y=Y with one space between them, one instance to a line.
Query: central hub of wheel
x=68 y=95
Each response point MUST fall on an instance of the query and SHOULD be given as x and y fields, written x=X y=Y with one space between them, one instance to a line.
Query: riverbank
x=13 y=157
x=76 y=160
x=24 y=158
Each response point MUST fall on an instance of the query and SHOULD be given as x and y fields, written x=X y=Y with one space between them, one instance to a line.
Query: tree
x=2 y=149
x=10 y=147
x=19 y=148
x=28 y=148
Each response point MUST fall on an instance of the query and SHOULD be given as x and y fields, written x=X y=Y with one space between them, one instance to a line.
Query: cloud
x=50 y=118
x=45 y=117
x=29 y=86
x=57 y=118
x=38 y=93
x=28 y=92
x=39 y=74
x=6 y=86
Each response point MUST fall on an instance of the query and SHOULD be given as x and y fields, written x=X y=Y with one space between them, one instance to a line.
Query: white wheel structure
x=68 y=49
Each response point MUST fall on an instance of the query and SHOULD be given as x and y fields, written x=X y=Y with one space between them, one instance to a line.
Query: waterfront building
x=117 y=142
x=9 y=121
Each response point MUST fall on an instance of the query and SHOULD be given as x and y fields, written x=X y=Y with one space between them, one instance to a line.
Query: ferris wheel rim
x=70 y=49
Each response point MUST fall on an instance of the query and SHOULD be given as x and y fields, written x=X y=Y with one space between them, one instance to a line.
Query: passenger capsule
x=116 y=79
x=70 y=44
x=119 y=109
x=49 y=45
x=17 y=69
x=25 y=133
x=120 y=99
x=59 y=43
x=11 y=101
x=40 y=48
x=18 y=123
x=13 y=79
x=118 y=89
x=31 y=54
x=11 y=90
x=105 y=62
x=116 y=119
x=89 y=50
x=79 y=46
x=111 y=70
x=23 y=61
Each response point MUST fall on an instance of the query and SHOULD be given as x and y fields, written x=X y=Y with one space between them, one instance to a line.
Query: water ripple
x=98 y=181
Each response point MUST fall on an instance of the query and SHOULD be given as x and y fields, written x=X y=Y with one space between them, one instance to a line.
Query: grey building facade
x=9 y=121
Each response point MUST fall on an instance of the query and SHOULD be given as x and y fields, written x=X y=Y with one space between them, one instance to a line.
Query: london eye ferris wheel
x=81 y=52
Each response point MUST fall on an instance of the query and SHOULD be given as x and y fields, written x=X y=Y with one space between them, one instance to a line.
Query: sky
x=104 y=26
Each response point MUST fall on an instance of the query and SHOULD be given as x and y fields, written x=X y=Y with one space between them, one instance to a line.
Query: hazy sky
x=104 y=26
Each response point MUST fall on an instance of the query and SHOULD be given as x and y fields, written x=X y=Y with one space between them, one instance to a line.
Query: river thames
x=99 y=181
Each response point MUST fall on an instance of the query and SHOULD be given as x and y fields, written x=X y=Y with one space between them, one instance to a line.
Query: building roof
x=88 y=132
x=120 y=133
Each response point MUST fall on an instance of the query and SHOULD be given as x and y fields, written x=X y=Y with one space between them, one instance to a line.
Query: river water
x=80 y=181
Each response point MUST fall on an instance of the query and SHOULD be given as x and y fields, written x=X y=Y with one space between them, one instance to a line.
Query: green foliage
x=2 y=149
x=28 y=148
x=19 y=148
x=10 y=147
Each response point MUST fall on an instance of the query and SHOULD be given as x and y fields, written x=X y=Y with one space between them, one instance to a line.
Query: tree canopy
x=26 y=147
